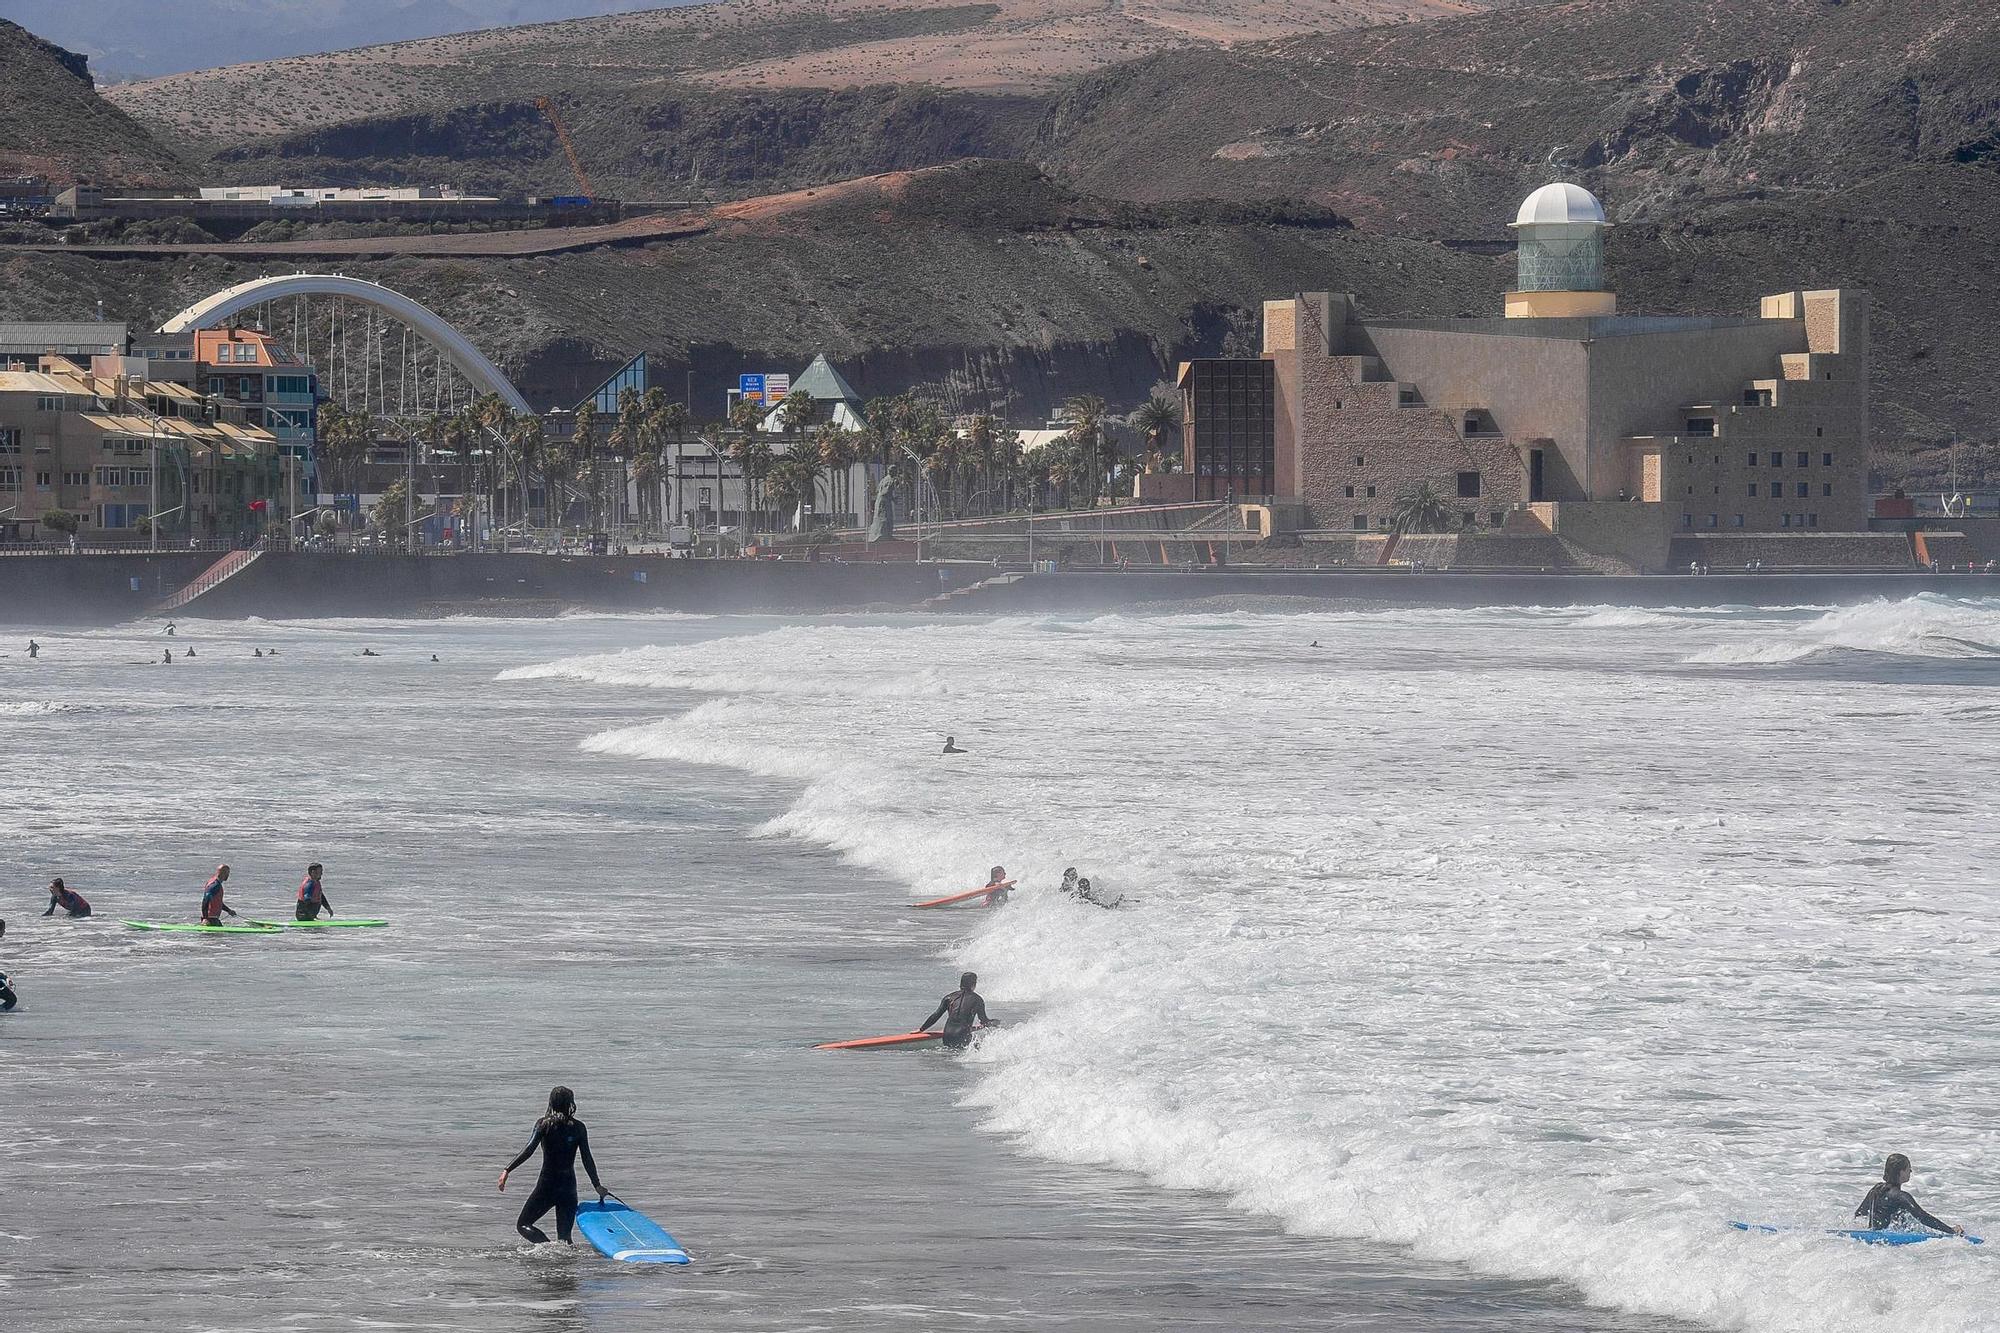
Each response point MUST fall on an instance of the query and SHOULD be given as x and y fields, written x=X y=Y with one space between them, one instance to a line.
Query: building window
x=1802 y=491
x=1361 y=522
x=1777 y=490
x=1753 y=460
x=1777 y=458
x=10 y=478
x=1406 y=397
x=1739 y=520
x=1687 y=520
x=1711 y=520
x=1360 y=460
x=1701 y=425
x=1468 y=485
x=76 y=479
x=1826 y=460
x=1496 y=518
x=1812 y=520
x=43 y=480
x=1826 y=488
x=1804 y=459
x=10 y=439
x=1371 y=492
x=1788 y=521
x=1819 y=430
x=1349 y=490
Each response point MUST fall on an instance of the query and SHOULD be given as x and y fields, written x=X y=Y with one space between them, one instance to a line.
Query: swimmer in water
x=1889 y=1207
x=68 y=899
x=312 y=897
x=7 y=996
x=961 y=1010
x=34 y=650
x=369 y=652
x=951 y=746
x=167 y=656
x=212 y=906
x=562 y=1139
x=256 y=652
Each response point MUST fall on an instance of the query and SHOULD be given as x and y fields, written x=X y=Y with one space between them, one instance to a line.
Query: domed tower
x=1560 y=252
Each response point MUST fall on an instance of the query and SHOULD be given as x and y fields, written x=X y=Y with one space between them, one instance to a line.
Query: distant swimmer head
x=1897 y=1169
x=968 y=981
x=562 y=1103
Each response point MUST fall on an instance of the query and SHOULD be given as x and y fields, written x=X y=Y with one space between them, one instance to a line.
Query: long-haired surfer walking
x=562 y=1138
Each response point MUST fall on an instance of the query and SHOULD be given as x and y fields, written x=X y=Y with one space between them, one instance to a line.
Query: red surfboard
x=958 y=899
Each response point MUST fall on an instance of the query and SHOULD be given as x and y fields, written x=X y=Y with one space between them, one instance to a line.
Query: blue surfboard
x=627 y=1235
x=1866 y=1237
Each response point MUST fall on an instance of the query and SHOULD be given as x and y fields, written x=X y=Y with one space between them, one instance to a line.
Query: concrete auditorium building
x=1558 y=433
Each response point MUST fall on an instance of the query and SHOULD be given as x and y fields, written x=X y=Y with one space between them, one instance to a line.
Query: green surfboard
x=192 y=929
x=328 y=924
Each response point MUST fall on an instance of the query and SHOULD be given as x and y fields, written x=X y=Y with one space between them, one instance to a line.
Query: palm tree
x=838 y=450
x=1420 y=509
x=526 y=444
x=1086 y=415
x=496 y=420
x=1159 y=415
x=583 y=452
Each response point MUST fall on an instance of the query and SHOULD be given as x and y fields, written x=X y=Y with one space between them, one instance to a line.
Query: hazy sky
x=140 y=38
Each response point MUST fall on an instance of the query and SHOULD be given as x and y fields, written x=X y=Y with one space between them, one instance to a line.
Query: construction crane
x=548 y=108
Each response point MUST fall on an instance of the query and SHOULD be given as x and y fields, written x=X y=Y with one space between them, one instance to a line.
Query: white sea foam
x=1519 y=946
x=1923 y=626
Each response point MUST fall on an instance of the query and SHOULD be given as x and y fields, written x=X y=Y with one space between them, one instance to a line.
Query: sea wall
x=98 y=589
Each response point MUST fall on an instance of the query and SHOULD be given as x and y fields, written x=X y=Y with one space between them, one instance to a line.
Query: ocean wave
x=1430 y=956
x=1925 y=626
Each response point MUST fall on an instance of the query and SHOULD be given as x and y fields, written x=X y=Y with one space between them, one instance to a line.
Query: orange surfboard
x=959 y=899
x=877 y=1043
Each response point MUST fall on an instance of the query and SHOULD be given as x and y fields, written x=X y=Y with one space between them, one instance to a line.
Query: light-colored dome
x=1560 y=201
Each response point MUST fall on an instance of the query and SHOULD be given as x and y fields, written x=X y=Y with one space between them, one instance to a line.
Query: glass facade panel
x=1232 y=415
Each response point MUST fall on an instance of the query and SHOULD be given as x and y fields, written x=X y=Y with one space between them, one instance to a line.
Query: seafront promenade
x=109 y=588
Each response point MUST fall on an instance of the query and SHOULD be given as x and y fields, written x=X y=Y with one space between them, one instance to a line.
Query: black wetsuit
x=561 y=1141
x=959 y=1010
x=6 y=994
x=1888 y=1205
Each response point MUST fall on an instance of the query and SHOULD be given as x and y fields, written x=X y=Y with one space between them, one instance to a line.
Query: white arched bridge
x=468 y=360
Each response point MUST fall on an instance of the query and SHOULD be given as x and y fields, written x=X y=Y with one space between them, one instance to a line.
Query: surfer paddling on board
x=212 y=906
x=68 y=899
x=562 y=1138
x=1889 y=1206
x=951 y=746
x=961 y=1010
x=312 y=897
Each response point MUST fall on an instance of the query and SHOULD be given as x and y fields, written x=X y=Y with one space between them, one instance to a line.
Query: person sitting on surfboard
x=1889 y=1206
x=311 y=896
x=951 y=746
x=212 y=906
x=960 y=1010
x=68 y=899
x=562 y=1138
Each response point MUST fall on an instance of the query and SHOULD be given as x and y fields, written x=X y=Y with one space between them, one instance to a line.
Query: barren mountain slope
x=54 y=124
x=991 y=45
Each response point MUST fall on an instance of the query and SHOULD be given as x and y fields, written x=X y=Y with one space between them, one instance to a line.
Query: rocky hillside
x=1743 y=146
x=54 y=124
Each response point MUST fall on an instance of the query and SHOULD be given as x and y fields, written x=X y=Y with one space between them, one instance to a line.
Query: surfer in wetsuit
x=68 y=899
x=312 y=897
x=960 y=1010
x=212 y=906
x=951 y=746
x=562 y=1138
x=7 y=997
x=999 y=889
x=1889 y=1207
